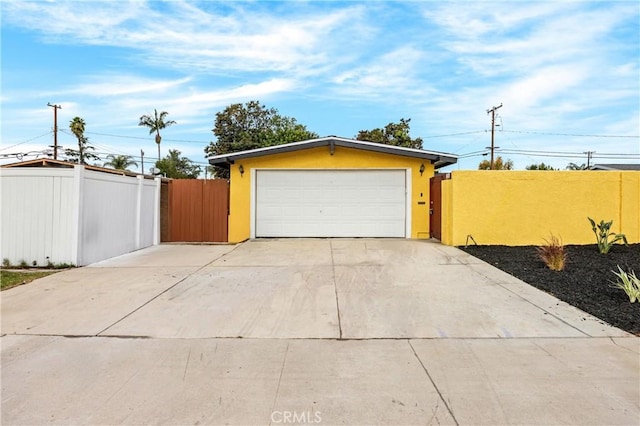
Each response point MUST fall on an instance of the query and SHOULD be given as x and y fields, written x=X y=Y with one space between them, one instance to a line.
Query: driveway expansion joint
x=222 y=255
x=613 y=340
x=335 y=287
x=505 y=286
x=284 y=360
x=435 y=386
x=166 y=290
x=328 y=339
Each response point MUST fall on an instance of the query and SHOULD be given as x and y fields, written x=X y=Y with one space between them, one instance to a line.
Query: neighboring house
x=47 y=162
x=615 y=167
x=330 y=187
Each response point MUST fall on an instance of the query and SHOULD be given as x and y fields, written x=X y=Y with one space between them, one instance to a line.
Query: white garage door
x=330 y=203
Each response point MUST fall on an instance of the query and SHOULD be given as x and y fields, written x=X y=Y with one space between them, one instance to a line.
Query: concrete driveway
x=307 y=331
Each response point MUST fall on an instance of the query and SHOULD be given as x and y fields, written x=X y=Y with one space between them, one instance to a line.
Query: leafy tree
x=574 y=166
x=285 y=130
x=498 y=164
x=393 y=134
x=177 y=167
x=540 y=166
x=77 y=126
x=155 y=123
x=252 y=125
x=210 y=172
x=120 y=162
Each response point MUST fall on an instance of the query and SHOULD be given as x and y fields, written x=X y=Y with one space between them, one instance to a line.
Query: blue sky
x=564 y=72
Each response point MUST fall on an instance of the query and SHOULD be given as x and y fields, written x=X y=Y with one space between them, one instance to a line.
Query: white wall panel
x=74 y=216
x=147 y=224
x=36 y=215
x=108 y=219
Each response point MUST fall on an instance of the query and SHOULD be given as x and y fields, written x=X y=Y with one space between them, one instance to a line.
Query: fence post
x=77 y=215
x=156 y=212
x=139 y=212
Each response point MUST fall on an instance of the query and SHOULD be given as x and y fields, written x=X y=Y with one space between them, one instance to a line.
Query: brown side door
x=435 y=207
x=198 y=210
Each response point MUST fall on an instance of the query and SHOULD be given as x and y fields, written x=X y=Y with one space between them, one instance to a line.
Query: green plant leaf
x=628 y=282
x=603 y=235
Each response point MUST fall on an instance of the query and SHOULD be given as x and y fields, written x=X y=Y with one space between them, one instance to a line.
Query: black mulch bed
x=584 y=283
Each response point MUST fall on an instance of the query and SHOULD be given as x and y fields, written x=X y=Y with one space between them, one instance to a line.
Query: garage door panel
x=330 y=203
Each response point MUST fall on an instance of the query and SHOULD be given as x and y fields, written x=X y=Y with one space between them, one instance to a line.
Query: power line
x=560 y=154
x=454 y=134
x=473 y=154
x=508 y=139
x=423 y=137
x=570 y=134
x=574 y=155
x=145 y=138
x=110 y=151
x=581 y=153
x=28 y=140
x=20 y=155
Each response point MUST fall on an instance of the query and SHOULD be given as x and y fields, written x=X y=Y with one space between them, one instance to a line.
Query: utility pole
x=55 y=129
x=492 y=111
x=142 y=160
x=589 y=155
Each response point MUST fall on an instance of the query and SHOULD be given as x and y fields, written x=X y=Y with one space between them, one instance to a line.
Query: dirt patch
x=586 y=281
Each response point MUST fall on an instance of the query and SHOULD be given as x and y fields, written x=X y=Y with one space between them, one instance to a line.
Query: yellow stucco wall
x=320 y=158
x=525 y=207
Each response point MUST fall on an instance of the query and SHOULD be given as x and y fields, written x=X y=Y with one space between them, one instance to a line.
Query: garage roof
x=438 y=159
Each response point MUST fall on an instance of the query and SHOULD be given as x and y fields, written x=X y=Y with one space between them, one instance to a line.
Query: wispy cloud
x=190 y=106
x=392 y=73
x=225 y=36
x=535 y=57
x=556 y=66
x=114 y=85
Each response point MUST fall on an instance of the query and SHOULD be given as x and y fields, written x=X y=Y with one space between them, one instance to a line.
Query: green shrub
x=6 y=263
x=629 y=283
x=603 y=235
x=63 y=266
x=23 y=264
x=552 y=254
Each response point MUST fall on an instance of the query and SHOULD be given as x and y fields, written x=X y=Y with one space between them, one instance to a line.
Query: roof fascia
x=438 y=159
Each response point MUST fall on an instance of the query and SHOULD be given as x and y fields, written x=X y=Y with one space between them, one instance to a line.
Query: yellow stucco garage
x=330 y=187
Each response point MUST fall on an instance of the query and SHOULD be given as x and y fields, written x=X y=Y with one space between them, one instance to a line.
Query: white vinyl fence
x=74 y=215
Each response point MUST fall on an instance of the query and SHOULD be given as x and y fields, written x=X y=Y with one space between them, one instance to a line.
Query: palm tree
x=77 y=126
x=155 y=123
x=120 y=162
